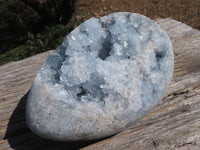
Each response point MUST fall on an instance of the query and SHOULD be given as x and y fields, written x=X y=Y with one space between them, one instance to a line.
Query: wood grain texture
x=173 y=124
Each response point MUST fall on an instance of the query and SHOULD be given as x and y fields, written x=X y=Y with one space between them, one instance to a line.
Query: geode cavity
x=107 y=73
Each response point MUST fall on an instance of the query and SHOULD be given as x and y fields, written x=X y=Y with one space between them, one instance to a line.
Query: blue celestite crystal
x=107 y=73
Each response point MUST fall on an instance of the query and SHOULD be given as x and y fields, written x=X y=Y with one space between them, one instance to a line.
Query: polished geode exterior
x=107 y=73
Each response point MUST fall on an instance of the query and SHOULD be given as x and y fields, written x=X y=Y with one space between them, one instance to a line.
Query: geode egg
x=107 y=73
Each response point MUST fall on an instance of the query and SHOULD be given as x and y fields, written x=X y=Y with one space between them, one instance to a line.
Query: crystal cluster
x=107 y=73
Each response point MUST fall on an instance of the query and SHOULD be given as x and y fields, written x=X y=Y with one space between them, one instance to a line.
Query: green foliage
x=14 y=24
x=49 y=38
x=19 y=17
x=51 y=11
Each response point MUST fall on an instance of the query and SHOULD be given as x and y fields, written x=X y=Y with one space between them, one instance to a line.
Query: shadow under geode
x=20 y=137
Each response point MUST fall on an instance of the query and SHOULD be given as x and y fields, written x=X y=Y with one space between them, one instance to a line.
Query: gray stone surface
x=107 y=73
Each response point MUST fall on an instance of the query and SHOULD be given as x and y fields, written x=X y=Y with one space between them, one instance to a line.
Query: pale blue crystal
x=107 y=73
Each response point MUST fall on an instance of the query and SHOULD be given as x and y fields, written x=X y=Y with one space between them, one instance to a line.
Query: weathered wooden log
x=173 y=124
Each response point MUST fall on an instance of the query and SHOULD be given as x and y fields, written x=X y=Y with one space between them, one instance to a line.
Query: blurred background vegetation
x=29 y=27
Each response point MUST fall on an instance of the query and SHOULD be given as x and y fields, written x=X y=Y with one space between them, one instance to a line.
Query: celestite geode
x=107 y=73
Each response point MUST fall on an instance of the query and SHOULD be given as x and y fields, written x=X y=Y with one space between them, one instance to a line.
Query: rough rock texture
x=107 y=73
x=173 y=124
